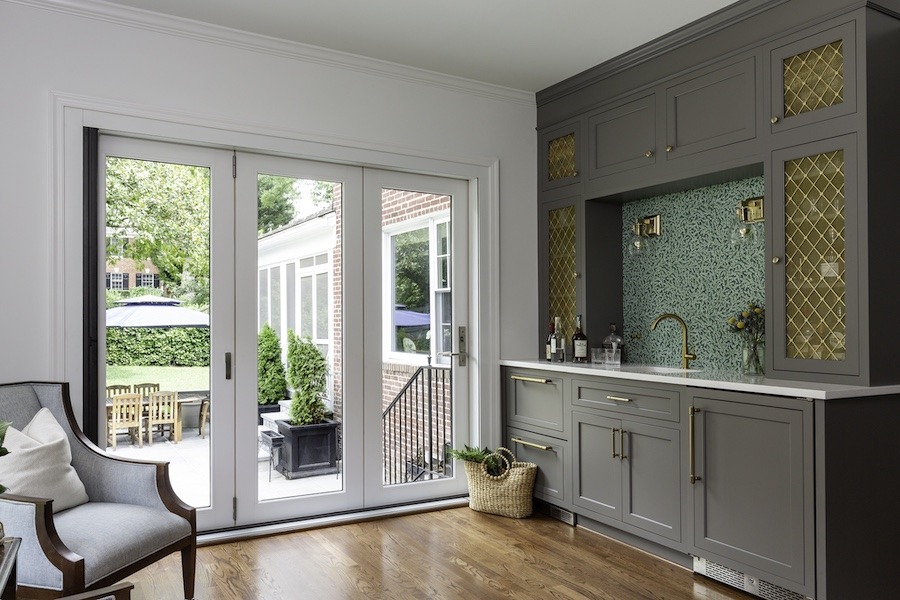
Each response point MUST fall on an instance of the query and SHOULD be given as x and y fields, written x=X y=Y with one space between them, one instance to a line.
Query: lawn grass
x=169 y=378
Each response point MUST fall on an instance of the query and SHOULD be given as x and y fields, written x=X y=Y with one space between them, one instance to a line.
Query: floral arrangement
x=750 y=324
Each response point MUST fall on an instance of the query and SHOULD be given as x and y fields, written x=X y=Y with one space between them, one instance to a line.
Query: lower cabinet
x=627 y=471
x=551 y=457
x=750 y=465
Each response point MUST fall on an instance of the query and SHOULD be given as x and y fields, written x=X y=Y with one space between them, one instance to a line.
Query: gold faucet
x=686 y=356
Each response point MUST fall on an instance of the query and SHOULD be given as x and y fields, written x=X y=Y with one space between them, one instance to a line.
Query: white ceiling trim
x=187 y=28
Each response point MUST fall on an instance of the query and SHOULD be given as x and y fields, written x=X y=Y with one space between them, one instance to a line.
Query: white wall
x=48 y=51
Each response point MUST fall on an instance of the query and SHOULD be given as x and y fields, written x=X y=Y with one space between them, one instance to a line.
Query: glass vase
x=753 y=359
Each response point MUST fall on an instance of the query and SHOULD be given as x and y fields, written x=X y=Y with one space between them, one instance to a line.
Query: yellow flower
x=745 y=314
x=757 y=310
x=740 y=325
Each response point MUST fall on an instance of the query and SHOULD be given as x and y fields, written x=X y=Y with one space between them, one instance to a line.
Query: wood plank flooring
x=448 y=554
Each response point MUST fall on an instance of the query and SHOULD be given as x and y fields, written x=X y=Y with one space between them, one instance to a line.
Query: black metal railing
x=417 y=428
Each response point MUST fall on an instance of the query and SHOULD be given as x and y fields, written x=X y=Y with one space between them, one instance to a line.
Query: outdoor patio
x=189 y=469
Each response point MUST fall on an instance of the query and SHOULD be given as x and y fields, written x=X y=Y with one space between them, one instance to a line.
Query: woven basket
x=508 y=494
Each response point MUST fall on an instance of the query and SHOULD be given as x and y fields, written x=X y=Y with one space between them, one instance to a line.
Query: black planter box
x=308 y=450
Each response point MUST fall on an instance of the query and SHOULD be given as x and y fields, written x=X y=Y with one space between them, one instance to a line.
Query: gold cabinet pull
x=614 y=453
x=618 y=399
x=776 y=260
x=669 y=148
x=649 y=153
x=516 y=440
x=773 y=120
x=622 y=433
x=691 y=445
x=529 y=379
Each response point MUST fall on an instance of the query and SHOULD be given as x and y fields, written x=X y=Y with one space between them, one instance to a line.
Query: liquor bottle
x=551 y=330
x=559 y=352
x=579 y=343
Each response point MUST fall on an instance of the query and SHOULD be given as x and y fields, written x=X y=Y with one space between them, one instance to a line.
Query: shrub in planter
x=308 y=376
x=271 y=382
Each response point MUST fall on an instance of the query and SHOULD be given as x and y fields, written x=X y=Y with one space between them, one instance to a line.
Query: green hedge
x=144 y=346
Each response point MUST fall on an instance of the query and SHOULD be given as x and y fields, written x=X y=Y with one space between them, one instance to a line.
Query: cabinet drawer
x=534 y=401
x=549 y=454
x=656 y=403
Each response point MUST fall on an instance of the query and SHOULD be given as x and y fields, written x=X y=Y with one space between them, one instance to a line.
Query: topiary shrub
x=308 y=376
x=271 y=382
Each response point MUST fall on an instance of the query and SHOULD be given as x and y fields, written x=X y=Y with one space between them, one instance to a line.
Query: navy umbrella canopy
x=154 y=311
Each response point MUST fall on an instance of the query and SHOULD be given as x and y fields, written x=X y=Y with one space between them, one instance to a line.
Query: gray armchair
x=132 y=519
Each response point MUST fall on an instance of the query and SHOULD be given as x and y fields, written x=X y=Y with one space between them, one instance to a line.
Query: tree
x=270 y=376
x=162 y=210
x=276 y=202
x=308 y=376
x=411 y=286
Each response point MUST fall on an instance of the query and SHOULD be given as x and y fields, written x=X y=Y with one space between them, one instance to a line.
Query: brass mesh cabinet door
x=816 y=261
x=562 y=234
x=814 y=78
x=560 y=155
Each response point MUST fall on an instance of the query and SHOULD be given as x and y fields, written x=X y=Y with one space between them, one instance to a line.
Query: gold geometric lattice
x=563 y=296
x=561 y=157
x=815 y=257
x=814 y=79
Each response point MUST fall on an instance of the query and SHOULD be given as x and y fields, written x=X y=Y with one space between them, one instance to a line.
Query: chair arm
x=32 y=520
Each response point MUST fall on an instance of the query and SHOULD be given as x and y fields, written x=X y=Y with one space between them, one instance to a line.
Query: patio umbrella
x=410 y=318
x=154 y=311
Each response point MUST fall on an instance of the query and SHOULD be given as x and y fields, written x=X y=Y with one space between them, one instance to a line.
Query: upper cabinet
x=560 y=155
x=712 y=109
x=813 y=77
x=623 y=137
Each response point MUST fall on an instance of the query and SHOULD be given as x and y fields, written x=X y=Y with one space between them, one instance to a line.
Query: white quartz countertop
x=720 y=380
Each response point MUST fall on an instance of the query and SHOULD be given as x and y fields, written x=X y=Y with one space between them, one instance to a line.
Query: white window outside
x=117 y=281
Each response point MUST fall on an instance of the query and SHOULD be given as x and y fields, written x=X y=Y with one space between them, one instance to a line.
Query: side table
x=8 y=552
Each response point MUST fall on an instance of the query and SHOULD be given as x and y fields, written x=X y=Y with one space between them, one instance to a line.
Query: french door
x=369 y=267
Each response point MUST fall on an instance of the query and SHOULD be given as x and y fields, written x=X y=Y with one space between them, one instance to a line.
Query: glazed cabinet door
x=751 y=474
x=561 y=268
x=815 y=258
x=813 y=77
x=560 y=155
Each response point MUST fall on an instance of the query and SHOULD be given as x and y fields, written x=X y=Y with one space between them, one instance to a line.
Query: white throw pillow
x=39 y=463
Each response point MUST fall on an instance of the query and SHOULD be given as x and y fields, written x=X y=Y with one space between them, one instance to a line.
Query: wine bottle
x=579 y=343
x=559 y=352
x=551 y=330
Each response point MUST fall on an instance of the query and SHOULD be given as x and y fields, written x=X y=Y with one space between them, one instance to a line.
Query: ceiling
x=521 y=44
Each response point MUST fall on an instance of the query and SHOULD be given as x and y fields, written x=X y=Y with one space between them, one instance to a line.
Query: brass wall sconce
x=748 y=212
x=643 y=229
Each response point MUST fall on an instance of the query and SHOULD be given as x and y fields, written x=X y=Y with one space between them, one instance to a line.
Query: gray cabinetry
x=560 y=155
x=626 y=467
x=714 y=108
x=536 y=416
x=622 y=137
x=750 y=466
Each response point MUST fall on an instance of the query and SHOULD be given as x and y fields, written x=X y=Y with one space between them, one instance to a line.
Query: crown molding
x=214 y=34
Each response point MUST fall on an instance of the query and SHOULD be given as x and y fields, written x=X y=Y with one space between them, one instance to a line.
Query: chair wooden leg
x=188 y=568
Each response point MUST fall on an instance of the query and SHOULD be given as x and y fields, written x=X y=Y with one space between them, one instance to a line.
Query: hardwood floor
x=449 y=554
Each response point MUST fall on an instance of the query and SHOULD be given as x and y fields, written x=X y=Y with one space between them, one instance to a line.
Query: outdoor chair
x=162 y=410
x=113 y=390
x=204 y=417
x=125 y=411
x=145 y=389
x=127 y=518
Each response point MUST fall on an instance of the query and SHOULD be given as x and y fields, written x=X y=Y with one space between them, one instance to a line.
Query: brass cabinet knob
x=774 y=120
x=776 y=260
x=669 y=148
x=649 y=153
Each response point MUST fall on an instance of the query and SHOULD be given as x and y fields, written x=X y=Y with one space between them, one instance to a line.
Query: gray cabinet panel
x=711 y=110
x=550 y=455
x=596 y=465
x=753 y=494
x=623 y=137
x=534 y=400
x=652 y=478
x=653 y=402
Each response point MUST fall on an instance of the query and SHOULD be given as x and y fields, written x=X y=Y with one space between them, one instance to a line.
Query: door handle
x=529 y=379
x=614 y=453
x=516 y=440
x=622 y=433
x=463 y=353
x=228 y=365
x=693 y=477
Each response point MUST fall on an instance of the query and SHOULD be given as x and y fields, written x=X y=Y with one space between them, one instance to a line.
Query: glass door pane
x=416 y=263
x=293 y=417
x=164 y=314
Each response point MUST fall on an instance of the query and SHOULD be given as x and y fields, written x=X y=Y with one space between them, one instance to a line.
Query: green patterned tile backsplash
x=693 y=269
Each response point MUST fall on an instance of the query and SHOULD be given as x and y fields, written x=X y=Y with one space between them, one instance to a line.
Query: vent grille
x=561 y=157
x=742 y=581
x=814 y=79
